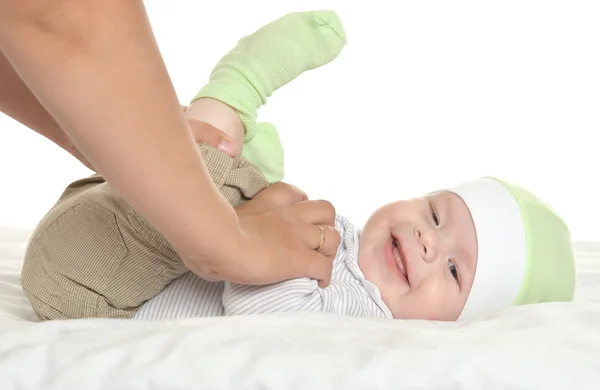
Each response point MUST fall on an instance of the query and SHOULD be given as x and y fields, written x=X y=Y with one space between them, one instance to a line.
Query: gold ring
x=322 y=242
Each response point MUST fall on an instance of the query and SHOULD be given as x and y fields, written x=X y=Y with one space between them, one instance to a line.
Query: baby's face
x=421 y=254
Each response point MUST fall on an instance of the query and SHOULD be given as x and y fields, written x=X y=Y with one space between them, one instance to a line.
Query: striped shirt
x=348 y=293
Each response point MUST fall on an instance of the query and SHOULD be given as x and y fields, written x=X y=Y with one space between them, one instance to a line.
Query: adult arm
x=91 y=63
x=18 y=102
x=96 y=68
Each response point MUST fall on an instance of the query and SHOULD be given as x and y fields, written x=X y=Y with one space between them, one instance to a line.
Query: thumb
x=205 y=133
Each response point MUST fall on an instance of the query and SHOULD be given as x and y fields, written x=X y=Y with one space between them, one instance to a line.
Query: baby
x=456 y=253
x=463 y=252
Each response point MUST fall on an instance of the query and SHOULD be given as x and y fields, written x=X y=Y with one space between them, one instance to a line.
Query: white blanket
x=549 y=346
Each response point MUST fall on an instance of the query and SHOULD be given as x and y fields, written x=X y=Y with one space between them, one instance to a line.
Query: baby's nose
x=426 y=239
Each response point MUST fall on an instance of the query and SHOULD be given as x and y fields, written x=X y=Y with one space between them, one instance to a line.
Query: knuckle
x=332 y=233
x=327 y=208
x=283 y=194
x=298 y=194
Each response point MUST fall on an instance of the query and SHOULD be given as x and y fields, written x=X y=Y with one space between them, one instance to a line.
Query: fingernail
x=227 y=147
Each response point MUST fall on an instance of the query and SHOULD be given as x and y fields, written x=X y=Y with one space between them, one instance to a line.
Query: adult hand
x=280 y=235
x=84 y=74
x=273 y=197
x=280 y=244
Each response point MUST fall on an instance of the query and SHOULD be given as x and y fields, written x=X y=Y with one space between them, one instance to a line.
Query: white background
x=425 y=95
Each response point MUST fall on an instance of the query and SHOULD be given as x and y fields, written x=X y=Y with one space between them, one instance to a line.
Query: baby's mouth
x=399 y=257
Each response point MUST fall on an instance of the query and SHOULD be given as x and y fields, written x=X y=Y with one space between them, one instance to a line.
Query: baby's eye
x=453 y=269
x=434 y=214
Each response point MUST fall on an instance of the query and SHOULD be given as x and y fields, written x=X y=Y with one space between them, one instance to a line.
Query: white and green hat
x=524 y=252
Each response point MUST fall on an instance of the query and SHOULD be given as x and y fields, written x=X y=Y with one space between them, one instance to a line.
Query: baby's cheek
x=432 y=300
x=414 y=305
x=414 y=308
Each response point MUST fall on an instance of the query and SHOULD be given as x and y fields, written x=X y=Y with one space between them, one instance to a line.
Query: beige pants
x=93 y=255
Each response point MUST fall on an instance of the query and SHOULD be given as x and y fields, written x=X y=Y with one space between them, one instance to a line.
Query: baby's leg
x=93 y=255
x=265 y=61
x=221 y=116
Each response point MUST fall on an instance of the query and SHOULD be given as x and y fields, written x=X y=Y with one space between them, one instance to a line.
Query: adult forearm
x=96 y=68
x=18 y=102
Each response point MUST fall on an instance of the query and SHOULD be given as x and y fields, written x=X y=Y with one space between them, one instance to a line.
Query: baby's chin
x=426 y=317
x=418 y=305
x=412 y=313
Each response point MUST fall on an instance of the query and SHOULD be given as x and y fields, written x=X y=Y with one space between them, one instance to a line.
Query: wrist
x=210 y=251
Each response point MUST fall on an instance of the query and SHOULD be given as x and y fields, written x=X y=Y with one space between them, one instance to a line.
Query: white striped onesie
x=348 y=293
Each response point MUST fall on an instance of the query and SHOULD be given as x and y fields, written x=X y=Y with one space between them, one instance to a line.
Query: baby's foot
x=272 y=57
x=268 y=156
x=267 y=60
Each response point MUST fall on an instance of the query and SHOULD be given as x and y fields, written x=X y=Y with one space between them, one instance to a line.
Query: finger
x=323 y=239
x=332 y=241
x=273 y=197
x=316 y=212
x=184 y=108
x=205 y=133
x=318 y=267
x=280 y=195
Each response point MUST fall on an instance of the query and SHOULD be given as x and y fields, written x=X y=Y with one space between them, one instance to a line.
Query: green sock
x=265 y=61
x=268 y=157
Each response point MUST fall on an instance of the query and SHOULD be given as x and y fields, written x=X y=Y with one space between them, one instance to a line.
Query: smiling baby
x=458 y=253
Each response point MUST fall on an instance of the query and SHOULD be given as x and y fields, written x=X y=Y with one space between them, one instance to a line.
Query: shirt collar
x=351 y=239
